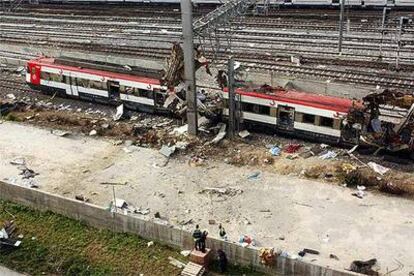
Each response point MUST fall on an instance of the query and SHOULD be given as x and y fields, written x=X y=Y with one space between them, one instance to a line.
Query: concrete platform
x=307 y=214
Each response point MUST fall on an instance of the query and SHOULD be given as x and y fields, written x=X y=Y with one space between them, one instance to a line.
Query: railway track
x=262 y=42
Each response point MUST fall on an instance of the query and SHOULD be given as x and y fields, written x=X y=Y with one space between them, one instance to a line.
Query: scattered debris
x=246 y=240
x=333 y=256
x=185 y=253
x=364 y=267
x=119 y=112
x=11 y=96
x=157 y=215
x=310 y=251
x=328 y=155
x=254 y=176
x=6 y=235
x=267 y=256
x=292 y=148
x=181 y=145
x=211 y=221
x=60 y=133
x=19 y=161
x=93 y=132
x=149 y=244
x=378 y=168
x=228 y=191
x=185 y=222
x=360 y=193
x=244 y=134
x=196 y=161
x=81 y=198
x=167 y=151
x=176 y=262
x=222 y=133
x=275 y=151
x=120 y=203
x=27 y=173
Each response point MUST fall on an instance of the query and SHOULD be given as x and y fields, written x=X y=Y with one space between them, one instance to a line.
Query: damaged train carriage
x=382 y=120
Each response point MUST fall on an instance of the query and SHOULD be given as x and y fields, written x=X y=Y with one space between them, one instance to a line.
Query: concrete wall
x=101 y=218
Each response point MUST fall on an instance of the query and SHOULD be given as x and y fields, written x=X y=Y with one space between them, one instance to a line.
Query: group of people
x=200 y=244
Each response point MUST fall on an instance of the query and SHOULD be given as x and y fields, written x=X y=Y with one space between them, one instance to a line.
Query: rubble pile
x=7 y=236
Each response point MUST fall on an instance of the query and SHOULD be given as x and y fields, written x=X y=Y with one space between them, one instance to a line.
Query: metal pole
x=384 y=16
x=397 y=58
x=232 y=105
x=189 y=71
x=341 y=26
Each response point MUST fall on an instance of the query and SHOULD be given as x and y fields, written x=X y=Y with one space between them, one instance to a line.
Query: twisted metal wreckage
x=384 y=120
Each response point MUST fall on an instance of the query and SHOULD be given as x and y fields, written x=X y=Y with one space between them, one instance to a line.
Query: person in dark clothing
x=222 y=232
x=222 y=258
x=197 y=237
x=203 y=241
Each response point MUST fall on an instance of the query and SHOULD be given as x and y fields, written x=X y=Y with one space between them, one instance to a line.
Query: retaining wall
x=99 y=217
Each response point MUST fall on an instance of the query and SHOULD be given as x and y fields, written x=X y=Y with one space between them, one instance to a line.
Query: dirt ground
x=283 y=211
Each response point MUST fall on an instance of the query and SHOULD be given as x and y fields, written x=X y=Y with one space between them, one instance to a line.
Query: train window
x=45 y=76
x=255 y=108
x=96 y=85
x=55 y=77
x=326 y=122
x=308 y=118
x=83 y=82
x=146 y=93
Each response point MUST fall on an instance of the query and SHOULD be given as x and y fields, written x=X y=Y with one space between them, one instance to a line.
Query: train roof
x=104 y=69
x=279 y=94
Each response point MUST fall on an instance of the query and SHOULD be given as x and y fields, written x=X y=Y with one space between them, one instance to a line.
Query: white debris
x=120 y=203
x=60 y=133
x=220 y=136
x=202 y=121
x=11 y=96
x=328 y=155
x=180 y=130
x=181 y=145
x=149 y=244
x=176 y=262
x=167 y=151
x=243 y=134
x=93 y=133
x=119 y=112
x=18 y=161
x=185 y=253
x=378 y=168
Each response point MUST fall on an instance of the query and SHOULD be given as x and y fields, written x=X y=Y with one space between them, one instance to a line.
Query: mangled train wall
x=101 y=218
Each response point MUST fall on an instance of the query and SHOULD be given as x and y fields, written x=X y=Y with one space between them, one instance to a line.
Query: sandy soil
x=281 y=211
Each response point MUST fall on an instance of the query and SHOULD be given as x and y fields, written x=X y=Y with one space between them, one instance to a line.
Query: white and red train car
x=288 y=111
x=140 y=91
x=304 y=114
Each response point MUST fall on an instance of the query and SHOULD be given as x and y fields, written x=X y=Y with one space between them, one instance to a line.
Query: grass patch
x=57 y=245
x=54 y=244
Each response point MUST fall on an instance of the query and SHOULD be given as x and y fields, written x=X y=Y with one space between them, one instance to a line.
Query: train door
x=35 y=74
x=73 y=86
x=285 y=117
x=159 y=98
x=114 y=90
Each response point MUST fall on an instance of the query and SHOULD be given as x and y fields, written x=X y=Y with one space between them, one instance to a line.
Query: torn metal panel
x=384 y=120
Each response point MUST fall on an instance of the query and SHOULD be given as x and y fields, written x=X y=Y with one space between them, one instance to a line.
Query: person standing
x=222 y=232
x=222 y=258
x=203 y=241
x=197 y=237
